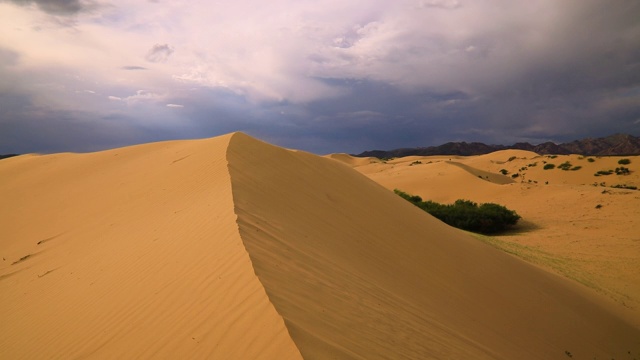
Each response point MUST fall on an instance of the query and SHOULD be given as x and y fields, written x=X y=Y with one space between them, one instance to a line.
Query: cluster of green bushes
x=487 y=218
x=619 y=171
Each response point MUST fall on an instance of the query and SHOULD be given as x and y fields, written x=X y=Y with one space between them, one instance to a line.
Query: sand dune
x=235 y=249
x=130 y=253
x=574 y=223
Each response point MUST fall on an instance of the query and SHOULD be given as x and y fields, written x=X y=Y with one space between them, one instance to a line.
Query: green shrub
x=576 y=168
x=486 y=218
x=417 y=162
x=565 y=166
x=603 y=173
x=624 y=161
x=504 y=171
x=622 y=171
x=549 y=166
x=591 y=159
x=624 y=186
x=512 y=158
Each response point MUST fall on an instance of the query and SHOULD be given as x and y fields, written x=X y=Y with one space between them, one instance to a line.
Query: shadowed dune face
x=235 y=249
x=357 y=272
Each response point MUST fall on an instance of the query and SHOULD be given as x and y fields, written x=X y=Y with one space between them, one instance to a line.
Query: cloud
x=444 y=4
x=159 y=53
x=331 y=75
x=58 y=7
x=175 y=105
x=133 y=67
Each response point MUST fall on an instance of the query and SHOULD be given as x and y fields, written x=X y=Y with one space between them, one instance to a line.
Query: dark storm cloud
x=330 y=76
x=159 y=53
x=57 y=7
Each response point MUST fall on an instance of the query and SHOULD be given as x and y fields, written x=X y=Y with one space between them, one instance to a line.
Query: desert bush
x=603 y=173
x=553 y=156
x=515 y=176
x=622 y=171
x=511 y=158
x=624 y=186
x=576 y=168
x=504 y=171
x=565 y=166
x=487 y=218
x=624 y=161
x=417 y=162
x=549 y=166
x=591 y=159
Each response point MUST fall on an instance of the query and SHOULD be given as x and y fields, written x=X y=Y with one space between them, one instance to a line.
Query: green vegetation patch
x=549 y=166
x=625 y=186
x=624 y=161
x=487 y=218
x=603 y=173
x=622 y=171
x=565 y=166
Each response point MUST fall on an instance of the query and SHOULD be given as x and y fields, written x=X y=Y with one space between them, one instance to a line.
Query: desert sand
x=231 y=248
x=574 y=223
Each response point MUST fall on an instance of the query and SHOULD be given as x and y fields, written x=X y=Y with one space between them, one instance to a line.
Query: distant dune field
x=579 y=225
x=231 y=248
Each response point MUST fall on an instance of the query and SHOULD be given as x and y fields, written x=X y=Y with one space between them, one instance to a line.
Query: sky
x=323 y=76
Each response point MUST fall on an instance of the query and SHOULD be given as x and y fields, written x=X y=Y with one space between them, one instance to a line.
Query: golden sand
x=231 y=248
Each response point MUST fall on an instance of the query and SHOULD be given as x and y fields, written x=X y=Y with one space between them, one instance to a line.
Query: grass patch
x=562 y=265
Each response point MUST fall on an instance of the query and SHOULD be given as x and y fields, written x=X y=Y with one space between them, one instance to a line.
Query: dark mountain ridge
x=613 y=145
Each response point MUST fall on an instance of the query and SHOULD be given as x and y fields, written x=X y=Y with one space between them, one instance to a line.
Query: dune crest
x=233 y=248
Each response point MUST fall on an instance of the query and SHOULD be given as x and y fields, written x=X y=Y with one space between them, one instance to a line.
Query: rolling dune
x=233 y=248
x=574 y=223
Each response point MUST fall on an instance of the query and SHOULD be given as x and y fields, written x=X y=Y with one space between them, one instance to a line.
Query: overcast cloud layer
x=323 y=76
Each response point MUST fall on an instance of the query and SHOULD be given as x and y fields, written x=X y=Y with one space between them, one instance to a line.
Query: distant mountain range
x=618 y=144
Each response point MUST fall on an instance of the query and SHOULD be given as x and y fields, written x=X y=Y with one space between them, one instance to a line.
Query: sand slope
x=230 y=248
x=359 y=273
x=132 y=253
x=574 y=223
